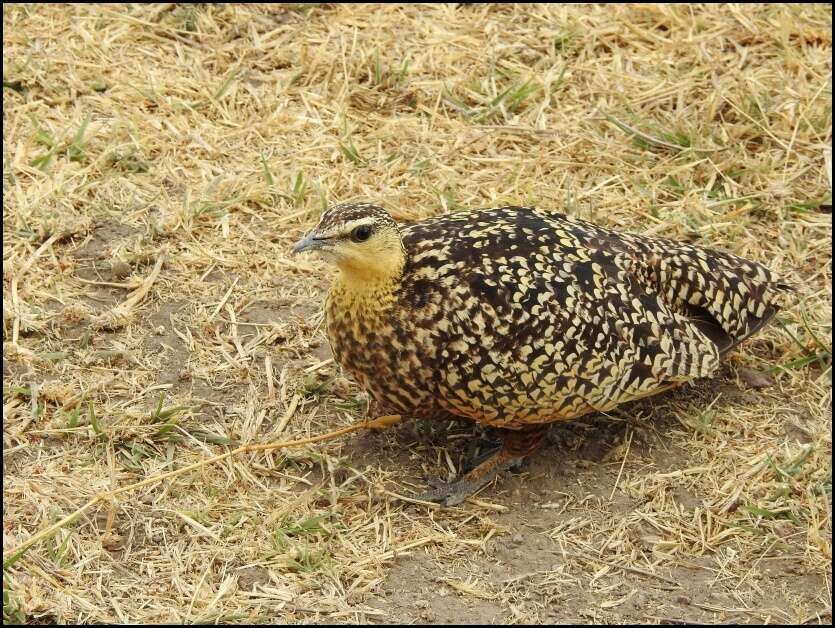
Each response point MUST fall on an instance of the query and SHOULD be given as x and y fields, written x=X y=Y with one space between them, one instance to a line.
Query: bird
x=518 y=317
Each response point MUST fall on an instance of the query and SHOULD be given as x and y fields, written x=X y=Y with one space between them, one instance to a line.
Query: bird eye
x=361 y=233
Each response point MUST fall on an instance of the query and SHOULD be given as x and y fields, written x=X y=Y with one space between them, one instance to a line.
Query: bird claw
x=437 y=483
x=453 y=493
x=448 y=494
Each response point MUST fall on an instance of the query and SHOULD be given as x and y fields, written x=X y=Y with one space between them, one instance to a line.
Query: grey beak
x=309 y=243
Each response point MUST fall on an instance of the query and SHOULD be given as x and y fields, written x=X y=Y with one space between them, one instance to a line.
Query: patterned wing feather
x=545 y=328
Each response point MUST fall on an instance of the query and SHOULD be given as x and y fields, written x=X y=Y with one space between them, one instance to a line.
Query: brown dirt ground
x=159 y=161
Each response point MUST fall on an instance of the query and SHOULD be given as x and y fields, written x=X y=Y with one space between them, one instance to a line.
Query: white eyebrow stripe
x=361 y=222
x=346 y=228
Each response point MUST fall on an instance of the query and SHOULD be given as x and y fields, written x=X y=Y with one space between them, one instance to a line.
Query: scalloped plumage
x=517 y=317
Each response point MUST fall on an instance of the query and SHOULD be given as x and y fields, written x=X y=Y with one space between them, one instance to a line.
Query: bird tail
x=728 y=298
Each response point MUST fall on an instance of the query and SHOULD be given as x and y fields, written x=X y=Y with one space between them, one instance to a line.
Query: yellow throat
x=367 y=276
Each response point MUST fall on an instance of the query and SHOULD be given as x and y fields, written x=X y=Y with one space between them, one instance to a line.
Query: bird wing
x=566 y=340
x=583 y=319
x=551 y=317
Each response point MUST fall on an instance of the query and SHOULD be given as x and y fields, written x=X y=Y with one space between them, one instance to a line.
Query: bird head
x=361 y=239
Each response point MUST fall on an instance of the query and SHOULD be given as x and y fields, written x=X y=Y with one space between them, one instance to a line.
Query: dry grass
x=158 y=162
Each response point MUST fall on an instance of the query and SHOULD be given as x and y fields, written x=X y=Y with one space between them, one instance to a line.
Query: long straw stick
x=377 y=424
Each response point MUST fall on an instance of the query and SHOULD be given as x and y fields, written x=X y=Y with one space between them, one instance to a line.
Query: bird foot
x=453 y=493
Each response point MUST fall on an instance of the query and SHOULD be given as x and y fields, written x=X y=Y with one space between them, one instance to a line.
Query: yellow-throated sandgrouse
x=517 y=317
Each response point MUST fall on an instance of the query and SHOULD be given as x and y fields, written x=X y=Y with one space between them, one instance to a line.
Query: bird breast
x=384 y=351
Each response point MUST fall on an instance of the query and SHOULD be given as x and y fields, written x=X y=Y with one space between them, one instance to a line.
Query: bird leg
x=516 y=444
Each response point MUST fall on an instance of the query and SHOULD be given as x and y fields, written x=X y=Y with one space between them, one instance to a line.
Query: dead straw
x=379 y=423
x=120 y=315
